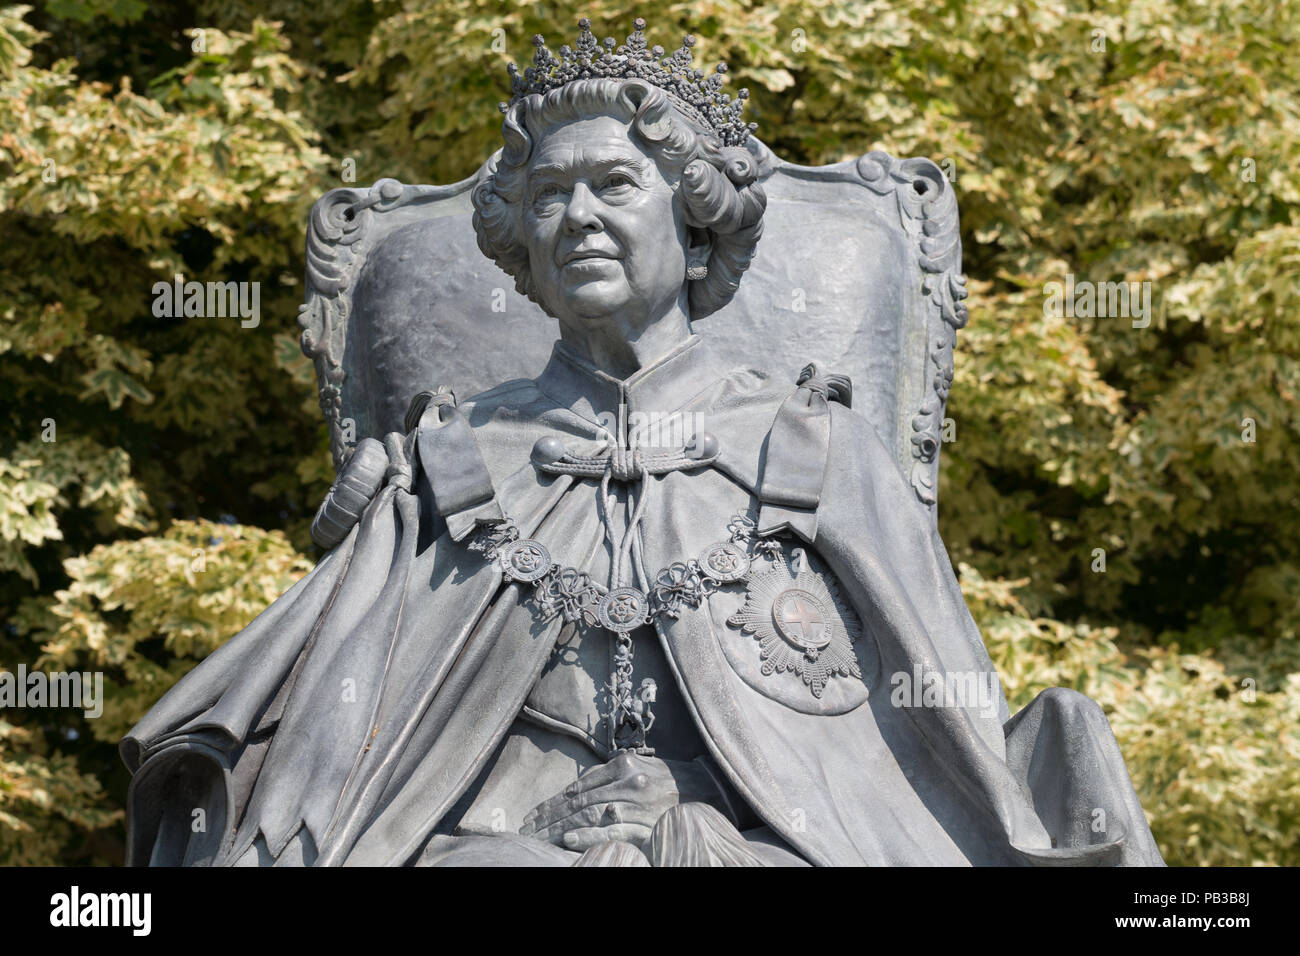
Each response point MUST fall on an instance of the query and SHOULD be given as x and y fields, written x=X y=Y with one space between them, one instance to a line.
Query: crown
x=676 y=75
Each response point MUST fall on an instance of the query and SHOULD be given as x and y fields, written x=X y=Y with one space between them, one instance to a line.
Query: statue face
x=604 y=233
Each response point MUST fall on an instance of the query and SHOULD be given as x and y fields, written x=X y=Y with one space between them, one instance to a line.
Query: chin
x=595 y=299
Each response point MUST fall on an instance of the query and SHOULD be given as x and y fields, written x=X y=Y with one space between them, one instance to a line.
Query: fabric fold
x=343 y=724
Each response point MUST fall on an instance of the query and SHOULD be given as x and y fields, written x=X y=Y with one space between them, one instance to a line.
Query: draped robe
x=379 y=698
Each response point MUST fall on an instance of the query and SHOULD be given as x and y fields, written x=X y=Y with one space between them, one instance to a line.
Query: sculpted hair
x=718 y=185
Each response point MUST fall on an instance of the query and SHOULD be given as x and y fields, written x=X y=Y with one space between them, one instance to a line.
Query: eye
x=618 y=181
x=547 y=193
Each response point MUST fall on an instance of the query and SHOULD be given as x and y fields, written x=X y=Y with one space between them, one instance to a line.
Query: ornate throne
x=858 y=270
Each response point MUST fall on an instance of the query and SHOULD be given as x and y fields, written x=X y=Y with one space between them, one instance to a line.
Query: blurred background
x=1122 y=502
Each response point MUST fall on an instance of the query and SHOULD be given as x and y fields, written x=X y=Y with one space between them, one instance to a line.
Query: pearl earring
x=696 y=269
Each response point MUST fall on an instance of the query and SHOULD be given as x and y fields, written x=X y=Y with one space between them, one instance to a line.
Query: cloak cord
x=623 y=552
x=607 y=519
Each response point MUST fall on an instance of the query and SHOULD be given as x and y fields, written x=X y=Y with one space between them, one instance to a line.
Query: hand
x=618 y=800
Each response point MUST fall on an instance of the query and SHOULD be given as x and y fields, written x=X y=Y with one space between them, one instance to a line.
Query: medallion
x=724 y=562
x=801 y=626
x=802 y=621
x=623 y=610
x=525 y=560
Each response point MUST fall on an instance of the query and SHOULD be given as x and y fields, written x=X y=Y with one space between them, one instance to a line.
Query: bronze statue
x=546 y=635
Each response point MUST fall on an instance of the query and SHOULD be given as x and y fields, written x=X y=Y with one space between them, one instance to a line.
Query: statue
x=647 y=607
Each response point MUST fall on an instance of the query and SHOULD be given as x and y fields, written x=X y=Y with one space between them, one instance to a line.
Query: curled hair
x=719 y=184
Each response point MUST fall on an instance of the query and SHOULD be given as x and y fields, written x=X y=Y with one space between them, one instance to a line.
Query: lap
x=692 y=834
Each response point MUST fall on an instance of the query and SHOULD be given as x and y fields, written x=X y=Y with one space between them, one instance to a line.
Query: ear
x=699 y=244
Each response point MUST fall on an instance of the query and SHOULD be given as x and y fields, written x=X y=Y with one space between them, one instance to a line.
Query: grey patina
x=674 y=599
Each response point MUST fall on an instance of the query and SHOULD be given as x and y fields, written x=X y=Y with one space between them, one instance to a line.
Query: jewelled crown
x=688 y=88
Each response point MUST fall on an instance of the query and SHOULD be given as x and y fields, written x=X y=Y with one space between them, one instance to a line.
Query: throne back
x=858 y=270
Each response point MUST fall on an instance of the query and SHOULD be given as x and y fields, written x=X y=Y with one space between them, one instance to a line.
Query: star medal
x=801 y=625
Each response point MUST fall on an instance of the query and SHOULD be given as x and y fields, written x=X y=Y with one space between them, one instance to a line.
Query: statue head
x=614 y=194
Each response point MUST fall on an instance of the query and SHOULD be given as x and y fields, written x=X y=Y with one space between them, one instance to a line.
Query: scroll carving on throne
x=634 y=529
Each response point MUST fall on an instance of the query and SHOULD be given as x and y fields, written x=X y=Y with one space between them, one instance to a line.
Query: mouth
x=580 y=254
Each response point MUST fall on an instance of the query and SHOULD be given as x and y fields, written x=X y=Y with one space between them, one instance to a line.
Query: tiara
x=696 y=96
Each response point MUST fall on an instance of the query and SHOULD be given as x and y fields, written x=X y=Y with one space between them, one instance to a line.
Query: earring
x=696 y=269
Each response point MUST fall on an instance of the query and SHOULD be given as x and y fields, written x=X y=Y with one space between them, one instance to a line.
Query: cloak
x=365 y=708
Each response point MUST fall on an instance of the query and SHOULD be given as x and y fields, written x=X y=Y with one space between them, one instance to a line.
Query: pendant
x=630 y=715
x=623 y=610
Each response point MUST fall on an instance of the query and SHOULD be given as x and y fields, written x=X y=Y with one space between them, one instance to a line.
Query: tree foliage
x=1121 y=498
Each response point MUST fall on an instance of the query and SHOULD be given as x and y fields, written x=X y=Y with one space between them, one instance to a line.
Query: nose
x=580 y=214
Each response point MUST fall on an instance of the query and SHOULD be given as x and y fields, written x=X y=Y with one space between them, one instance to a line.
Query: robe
x=405 y=684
